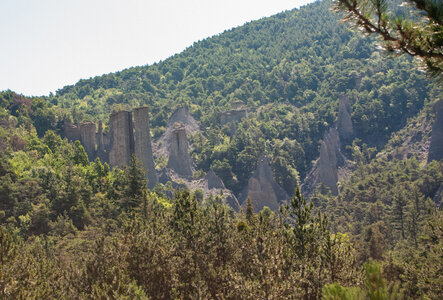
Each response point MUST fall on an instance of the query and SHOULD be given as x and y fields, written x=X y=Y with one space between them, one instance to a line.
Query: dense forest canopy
x=71 y=228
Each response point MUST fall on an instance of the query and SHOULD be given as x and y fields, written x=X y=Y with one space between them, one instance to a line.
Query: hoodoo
x=121 y=140
x=179 y=159
x=262 y=188
x=142 y=142
x=129 y=134
x=344 y=121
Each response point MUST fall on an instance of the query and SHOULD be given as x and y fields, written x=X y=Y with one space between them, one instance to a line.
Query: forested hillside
x=72 y=228
x=298 y=60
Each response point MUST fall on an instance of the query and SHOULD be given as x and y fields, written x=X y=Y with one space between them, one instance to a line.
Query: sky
x=47 y=44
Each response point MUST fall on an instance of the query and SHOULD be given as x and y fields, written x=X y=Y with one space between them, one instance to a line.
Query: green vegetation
x=417 y=31
x=288 y=69
x=74 y=229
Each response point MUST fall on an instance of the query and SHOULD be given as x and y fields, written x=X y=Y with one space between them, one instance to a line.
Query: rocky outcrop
x=101 y=145
x=142 y=142
x=214 y=182
x=436 y=146
x=214 y=185
x=85 y=133
x=344 y=121
x=121 y=139
x=262 y=188
x=233 y=116
x=174 y=146
x=331 y=166
x=174 y=142
x=326 y=168
x=88 y=138
x=129 y=134
x=183 y=116
x=179 y=159
x=330 y=155
x=71 y=131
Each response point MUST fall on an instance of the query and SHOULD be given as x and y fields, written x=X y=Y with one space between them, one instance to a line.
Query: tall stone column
x=142 y=142
x=88 y=138
x=121 y=139
x=179 y=158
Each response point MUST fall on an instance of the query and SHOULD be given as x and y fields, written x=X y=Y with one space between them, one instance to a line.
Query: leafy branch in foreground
x=419 y=34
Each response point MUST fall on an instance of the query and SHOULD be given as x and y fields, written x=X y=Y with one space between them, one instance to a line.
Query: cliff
x=233 y=116
x=121 y=139
x=88 y=138
x=326 y=168
x=183 y=116
x=344 y=121
x=71 y=131
x=331 y=164
x=142 y=142
x=262 y=188
x=214 y=182
x=129 y=134
x=179 y=159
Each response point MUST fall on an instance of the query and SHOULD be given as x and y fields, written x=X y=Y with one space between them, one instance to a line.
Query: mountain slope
x=288 y=70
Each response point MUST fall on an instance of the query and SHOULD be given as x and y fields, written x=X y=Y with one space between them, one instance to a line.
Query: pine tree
x=418 y=32
x=135 y=184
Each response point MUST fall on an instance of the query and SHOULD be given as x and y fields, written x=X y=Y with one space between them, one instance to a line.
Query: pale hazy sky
x=47 y=44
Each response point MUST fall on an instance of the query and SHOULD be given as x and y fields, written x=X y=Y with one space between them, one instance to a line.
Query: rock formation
x=214 y=185
x=179 y=159
x=331 y=161
x=88 y=138
x=214 y=182
x=142 y=142
x=233 y=116
x=262 y=188
x=121 y=139
x=101 y=148
x=174 y=146
x=129 y=134
x=326 y=168
x=330 y=155
x=436 y=147
x=344 y=121
x=71 y=132
x=174 y=143
x=182 y=115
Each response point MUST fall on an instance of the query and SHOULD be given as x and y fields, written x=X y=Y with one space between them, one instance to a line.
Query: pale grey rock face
x=88 y=138
x=262 y=188
x=142 y=142
x=179 y=159
x=121 y=139
x=102 y=144
x=344 y=121
x=71 y=132
x=328 y=162
x=326 y=168
x=129 y=134
x=182 y=115
x=233 y=117
x=214 y=182
x=436 y=147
